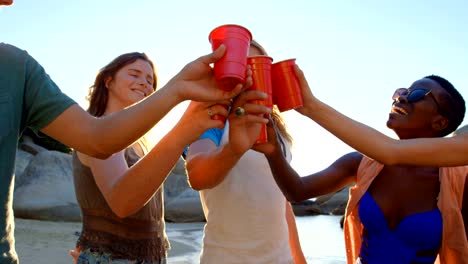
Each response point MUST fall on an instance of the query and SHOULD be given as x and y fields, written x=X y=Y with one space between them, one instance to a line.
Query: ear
x=108 y=81
x=440 y=123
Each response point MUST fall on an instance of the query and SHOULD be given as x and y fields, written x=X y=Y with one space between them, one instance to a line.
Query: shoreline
x=46 y=242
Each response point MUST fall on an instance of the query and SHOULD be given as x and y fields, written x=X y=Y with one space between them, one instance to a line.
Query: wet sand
x=44 y=242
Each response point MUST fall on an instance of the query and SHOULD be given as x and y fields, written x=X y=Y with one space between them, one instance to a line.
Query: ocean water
x=321 y=239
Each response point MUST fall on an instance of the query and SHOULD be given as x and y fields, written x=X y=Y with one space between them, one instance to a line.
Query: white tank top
x=245 y=213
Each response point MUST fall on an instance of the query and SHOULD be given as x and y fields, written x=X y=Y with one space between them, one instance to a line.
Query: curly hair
x=452 y=105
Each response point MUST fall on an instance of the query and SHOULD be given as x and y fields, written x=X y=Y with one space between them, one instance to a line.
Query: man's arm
x=101 y=137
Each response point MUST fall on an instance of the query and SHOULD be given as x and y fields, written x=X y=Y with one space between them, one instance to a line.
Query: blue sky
x=354 y=53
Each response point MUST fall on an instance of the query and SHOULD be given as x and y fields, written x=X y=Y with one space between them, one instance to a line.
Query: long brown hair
x=275 y=115
x=98 y=94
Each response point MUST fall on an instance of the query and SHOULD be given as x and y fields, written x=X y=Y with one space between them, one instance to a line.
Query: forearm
x=419 y=151
x=97 y=137
x=133 y=122
x=287 y=179
x=207 y=169
x=132 y=191
x=353 y=133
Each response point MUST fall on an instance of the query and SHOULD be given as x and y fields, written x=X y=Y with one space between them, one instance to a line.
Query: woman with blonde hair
x=248 y=219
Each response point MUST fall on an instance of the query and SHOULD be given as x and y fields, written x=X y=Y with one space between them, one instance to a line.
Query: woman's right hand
x=309 y=100
x=199 y=117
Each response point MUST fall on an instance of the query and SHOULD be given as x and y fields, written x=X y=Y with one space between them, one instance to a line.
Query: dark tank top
x=140 y=236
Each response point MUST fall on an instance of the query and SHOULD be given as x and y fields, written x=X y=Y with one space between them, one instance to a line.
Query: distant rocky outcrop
x=181 y=203
x=44 y=190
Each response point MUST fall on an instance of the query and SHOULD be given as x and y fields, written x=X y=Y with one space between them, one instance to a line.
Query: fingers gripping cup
x=230 y=70
x=220 y=117
x=261 y=75
x=286 y=90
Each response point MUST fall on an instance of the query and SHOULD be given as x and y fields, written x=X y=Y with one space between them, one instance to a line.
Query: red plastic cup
x=286 y=90
x=263 y=136
x=221 y=117
x=230 y=70
x=261 y=76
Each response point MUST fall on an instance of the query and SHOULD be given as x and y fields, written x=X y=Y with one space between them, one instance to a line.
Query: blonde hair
x=275 y=115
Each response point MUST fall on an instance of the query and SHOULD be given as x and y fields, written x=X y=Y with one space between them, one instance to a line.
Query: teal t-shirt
x=28 y=98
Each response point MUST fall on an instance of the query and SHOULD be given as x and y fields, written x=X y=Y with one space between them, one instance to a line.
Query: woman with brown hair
x=121 y=198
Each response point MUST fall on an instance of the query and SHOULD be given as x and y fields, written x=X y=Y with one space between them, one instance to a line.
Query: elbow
x=295 y=197
x=101 y=151
x=389 y=159
x=121 y=211
x=197 y=178
x=195 y=185
x=121 y=208
x=295 y=194
x=199 y=184
x=101 y=155
x=97 y=150
x=121 y=214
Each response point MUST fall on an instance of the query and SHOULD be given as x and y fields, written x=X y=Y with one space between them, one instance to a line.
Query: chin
x=390 y=123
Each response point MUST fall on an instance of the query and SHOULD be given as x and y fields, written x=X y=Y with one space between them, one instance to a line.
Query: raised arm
x=125 y=189
x=208 y=164
x=97 y=137
x=452 y=151
x=296 y=188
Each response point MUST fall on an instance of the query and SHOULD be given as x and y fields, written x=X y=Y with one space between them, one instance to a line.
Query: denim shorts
x=90 y=257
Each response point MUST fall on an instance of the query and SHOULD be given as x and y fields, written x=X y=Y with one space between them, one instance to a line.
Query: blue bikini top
x=415 y=235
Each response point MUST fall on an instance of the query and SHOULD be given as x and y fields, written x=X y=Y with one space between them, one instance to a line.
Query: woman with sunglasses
x=395 y=213
x=439 y=151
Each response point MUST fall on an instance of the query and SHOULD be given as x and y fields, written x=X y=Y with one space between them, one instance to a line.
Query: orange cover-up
x=454 y=248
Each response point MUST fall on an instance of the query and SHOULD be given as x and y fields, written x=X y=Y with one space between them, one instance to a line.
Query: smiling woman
x=120 y=197
x=126 y=80
x=123 y=82
x=395 y=213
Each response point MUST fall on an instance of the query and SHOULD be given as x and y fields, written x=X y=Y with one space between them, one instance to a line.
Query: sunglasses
x=414 y=95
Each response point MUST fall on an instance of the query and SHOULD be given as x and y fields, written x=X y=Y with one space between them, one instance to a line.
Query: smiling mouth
x=140 y=92
x=399 y=110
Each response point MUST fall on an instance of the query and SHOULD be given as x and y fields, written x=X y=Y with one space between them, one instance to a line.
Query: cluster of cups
x=278 y=80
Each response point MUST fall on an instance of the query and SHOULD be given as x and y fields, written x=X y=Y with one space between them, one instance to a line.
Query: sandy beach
x=44 y=242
